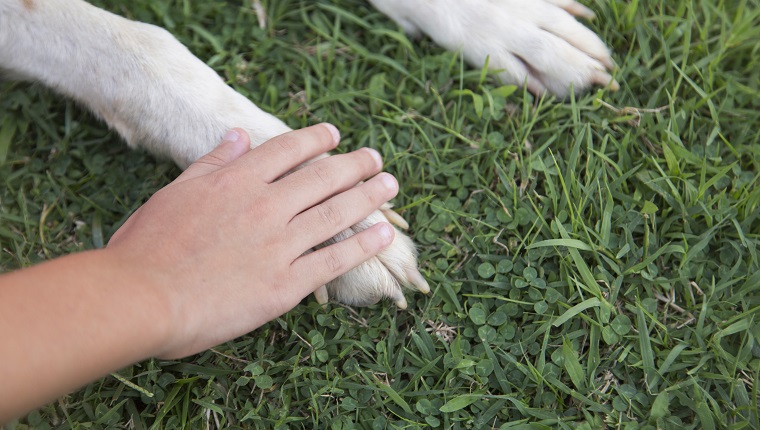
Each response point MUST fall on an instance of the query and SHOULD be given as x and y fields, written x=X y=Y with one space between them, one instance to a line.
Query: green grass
x=594 y=261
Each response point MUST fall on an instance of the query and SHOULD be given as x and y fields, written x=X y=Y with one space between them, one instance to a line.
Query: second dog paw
x=382 y=276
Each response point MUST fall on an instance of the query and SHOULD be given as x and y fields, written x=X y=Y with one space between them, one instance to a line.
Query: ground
x=593 y=261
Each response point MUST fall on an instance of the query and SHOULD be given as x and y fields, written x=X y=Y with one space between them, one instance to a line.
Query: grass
x=594 y=261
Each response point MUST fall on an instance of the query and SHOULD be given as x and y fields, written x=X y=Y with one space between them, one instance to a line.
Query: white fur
x=137 y=77
x=534 y=42
x=143 y=83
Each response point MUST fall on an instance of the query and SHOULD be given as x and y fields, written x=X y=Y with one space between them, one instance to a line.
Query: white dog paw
x=537 y=43
x=382 y=276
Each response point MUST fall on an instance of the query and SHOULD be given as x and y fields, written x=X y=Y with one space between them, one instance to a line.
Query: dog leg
x=537 y=43
x=137 y=77
x=144 y=84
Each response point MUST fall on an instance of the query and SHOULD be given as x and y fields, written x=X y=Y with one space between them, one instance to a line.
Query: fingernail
x=386 y=233
x=231 y=136
x=388 y=181
x=334 y=131
x=376 y=156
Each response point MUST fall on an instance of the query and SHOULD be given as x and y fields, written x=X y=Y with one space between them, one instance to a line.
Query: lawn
x=593 y=261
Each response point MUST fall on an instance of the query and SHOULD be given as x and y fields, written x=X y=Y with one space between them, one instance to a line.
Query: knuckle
x=288 y=145
x=322 y=174
x=329 y=214
x=370 y=196
x=332 y=260
x=213 y=158
x=365 y=246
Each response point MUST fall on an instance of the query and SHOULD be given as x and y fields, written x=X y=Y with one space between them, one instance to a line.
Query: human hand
x=222 y=247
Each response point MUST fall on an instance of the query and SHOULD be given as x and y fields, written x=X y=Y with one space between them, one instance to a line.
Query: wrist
x=147 y=296
x=71 y=320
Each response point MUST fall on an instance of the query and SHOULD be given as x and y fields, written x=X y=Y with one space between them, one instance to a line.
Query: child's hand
x=222 y=246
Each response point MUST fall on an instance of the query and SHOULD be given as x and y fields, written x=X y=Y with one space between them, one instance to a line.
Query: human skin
x=213 y=255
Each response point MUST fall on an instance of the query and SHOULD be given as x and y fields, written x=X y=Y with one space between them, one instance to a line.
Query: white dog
x=144 y=84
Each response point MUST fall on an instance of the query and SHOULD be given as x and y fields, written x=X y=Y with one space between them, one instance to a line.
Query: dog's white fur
x=143 y=83
x=532 y=42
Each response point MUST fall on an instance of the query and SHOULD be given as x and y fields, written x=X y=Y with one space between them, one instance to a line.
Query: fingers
x=331 y=175
x=287 y=151
x=234 y=144
x=329 y=218
x=328 y=263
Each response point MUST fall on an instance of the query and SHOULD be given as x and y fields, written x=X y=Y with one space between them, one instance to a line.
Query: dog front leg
x=137 y=77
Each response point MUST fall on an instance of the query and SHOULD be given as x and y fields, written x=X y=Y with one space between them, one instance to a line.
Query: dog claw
x=321 y=295
x=395 y=218
x=576 y=9
x=400 y=300
x=603 y=78
x=417 y=280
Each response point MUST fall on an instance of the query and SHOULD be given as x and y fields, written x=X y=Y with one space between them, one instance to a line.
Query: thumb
x=234 y=144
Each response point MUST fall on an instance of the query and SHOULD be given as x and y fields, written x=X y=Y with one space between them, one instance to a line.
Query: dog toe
x=382 y=276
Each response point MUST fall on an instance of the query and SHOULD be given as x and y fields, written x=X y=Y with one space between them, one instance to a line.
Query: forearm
x=69 y=321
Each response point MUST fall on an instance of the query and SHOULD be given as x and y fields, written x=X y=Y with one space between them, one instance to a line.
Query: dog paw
x=382 y=276
x=537 y=43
